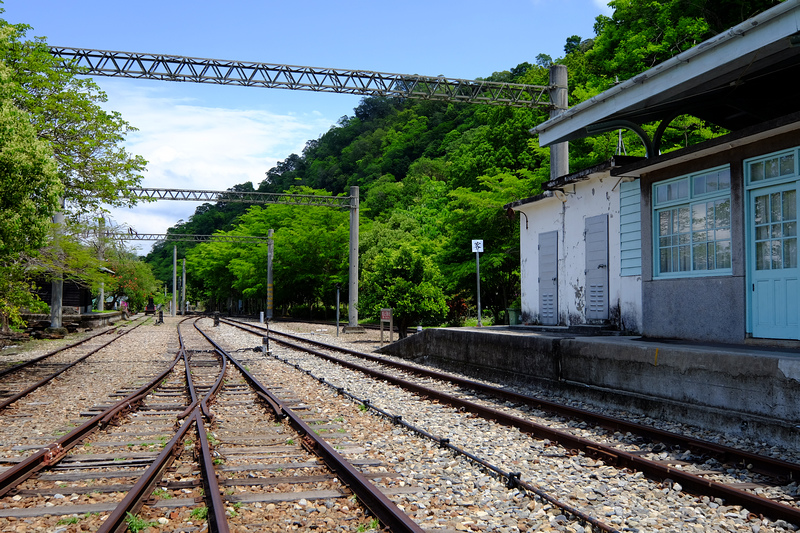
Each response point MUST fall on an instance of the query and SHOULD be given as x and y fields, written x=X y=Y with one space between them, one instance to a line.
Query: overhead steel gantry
x=246 y=197
x=269 y=75
x=182 y=237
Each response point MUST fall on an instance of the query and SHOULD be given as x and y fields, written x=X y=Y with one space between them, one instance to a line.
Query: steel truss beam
x=191 y=195
x=268 y=75
x=182 y=237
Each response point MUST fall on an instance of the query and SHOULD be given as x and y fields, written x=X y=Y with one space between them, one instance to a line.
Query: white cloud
x=191 y=145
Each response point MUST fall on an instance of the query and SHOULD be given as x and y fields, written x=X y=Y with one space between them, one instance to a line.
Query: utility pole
x=174 y=280
x=183 y=289
x=57 y=285
x=101 y=228
x=559 y=153
x=352 y=300
x=270 y=254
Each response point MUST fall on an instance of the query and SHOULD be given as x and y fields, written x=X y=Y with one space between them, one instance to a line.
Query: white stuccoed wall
x=591 y=197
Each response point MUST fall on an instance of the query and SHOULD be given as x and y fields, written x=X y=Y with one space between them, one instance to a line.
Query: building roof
x=737 y=79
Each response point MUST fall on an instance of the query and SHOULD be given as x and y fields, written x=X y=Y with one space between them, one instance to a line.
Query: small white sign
x=477 y=246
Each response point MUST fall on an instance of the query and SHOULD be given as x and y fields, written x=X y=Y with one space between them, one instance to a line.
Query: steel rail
x=57 y=350
x=373 y=499
x=52 y=453
x=135 y=498
x=133 y=501
x=769 y=466
x=620 y=458
x=44 y=381
x=270 y=75
x=217 y=519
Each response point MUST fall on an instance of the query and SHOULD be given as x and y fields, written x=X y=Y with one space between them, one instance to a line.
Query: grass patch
x=137 y=524
x=200 y=513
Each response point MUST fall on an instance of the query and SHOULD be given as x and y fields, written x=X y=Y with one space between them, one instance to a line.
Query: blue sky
x=213 y=137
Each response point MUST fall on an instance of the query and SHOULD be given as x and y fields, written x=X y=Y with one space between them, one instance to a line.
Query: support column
x=174 y=280
x=270 y=256
x=352 y=301
x=57 y=285
x=183 y=289
x=101 y=244
x=559 y=153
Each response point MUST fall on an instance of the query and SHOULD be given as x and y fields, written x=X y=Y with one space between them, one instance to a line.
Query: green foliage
x=406 y=281
x=66 y=111
x=199 y=513
x=132 y=279
x=137 y=523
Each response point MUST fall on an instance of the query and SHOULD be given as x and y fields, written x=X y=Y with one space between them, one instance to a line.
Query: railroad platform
x=750 y=392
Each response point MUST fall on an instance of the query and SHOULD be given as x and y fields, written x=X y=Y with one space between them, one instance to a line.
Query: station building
x=699 y=243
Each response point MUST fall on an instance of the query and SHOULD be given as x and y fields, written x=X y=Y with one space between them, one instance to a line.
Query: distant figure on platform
x=124 y=307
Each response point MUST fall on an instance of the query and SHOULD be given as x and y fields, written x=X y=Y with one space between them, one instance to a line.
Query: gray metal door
x=548 y=278
x=597 y=268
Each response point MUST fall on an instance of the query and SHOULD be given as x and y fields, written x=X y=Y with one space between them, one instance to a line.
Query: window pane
x=661 y=194
x=762 y=256
x=725 y=179
x=683 y=189
x=722 y=234
x=761 y=209
x=762 y=233
x=664 y=223
x=790 y=205
x=699 y=185
x=775 y=207
x=757 y=171
x=787 y=165
x=790 y=253
x=723 y=254
x=665 y=260
x=699 y=236
x=685 y=257
x=684 y=219
x=776 y=254
x=700 y=257
x=698 y=217
x=790 y=229
x=771 y=168
x=723 y=213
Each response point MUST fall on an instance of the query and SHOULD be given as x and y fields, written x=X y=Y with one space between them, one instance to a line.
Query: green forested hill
x=432 y=177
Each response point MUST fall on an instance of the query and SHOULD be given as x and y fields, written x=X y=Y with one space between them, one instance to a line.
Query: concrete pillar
x=57 y=287
x=101 y=244
x=559 y=153
x=353 y=276
x=174 y=281
x=183 y=289
x=270 y=255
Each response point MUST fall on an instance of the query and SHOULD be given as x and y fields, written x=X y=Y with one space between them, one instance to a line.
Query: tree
x=65 y=112
x=29 y=193
x=406 y=281
x=133 y=279
x=573 y=44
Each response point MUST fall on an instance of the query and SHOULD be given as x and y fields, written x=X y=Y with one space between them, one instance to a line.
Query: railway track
x=161 y=456
x=762 y=486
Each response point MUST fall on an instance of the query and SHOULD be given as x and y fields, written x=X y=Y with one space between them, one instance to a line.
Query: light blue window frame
x=692 y=225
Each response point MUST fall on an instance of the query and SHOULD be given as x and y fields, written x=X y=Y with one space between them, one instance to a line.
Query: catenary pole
x=559 y=153
x=270 y=255
x=174 y=280
x=353 y=274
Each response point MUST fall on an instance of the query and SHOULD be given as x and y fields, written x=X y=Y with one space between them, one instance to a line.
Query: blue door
x=774 y=274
